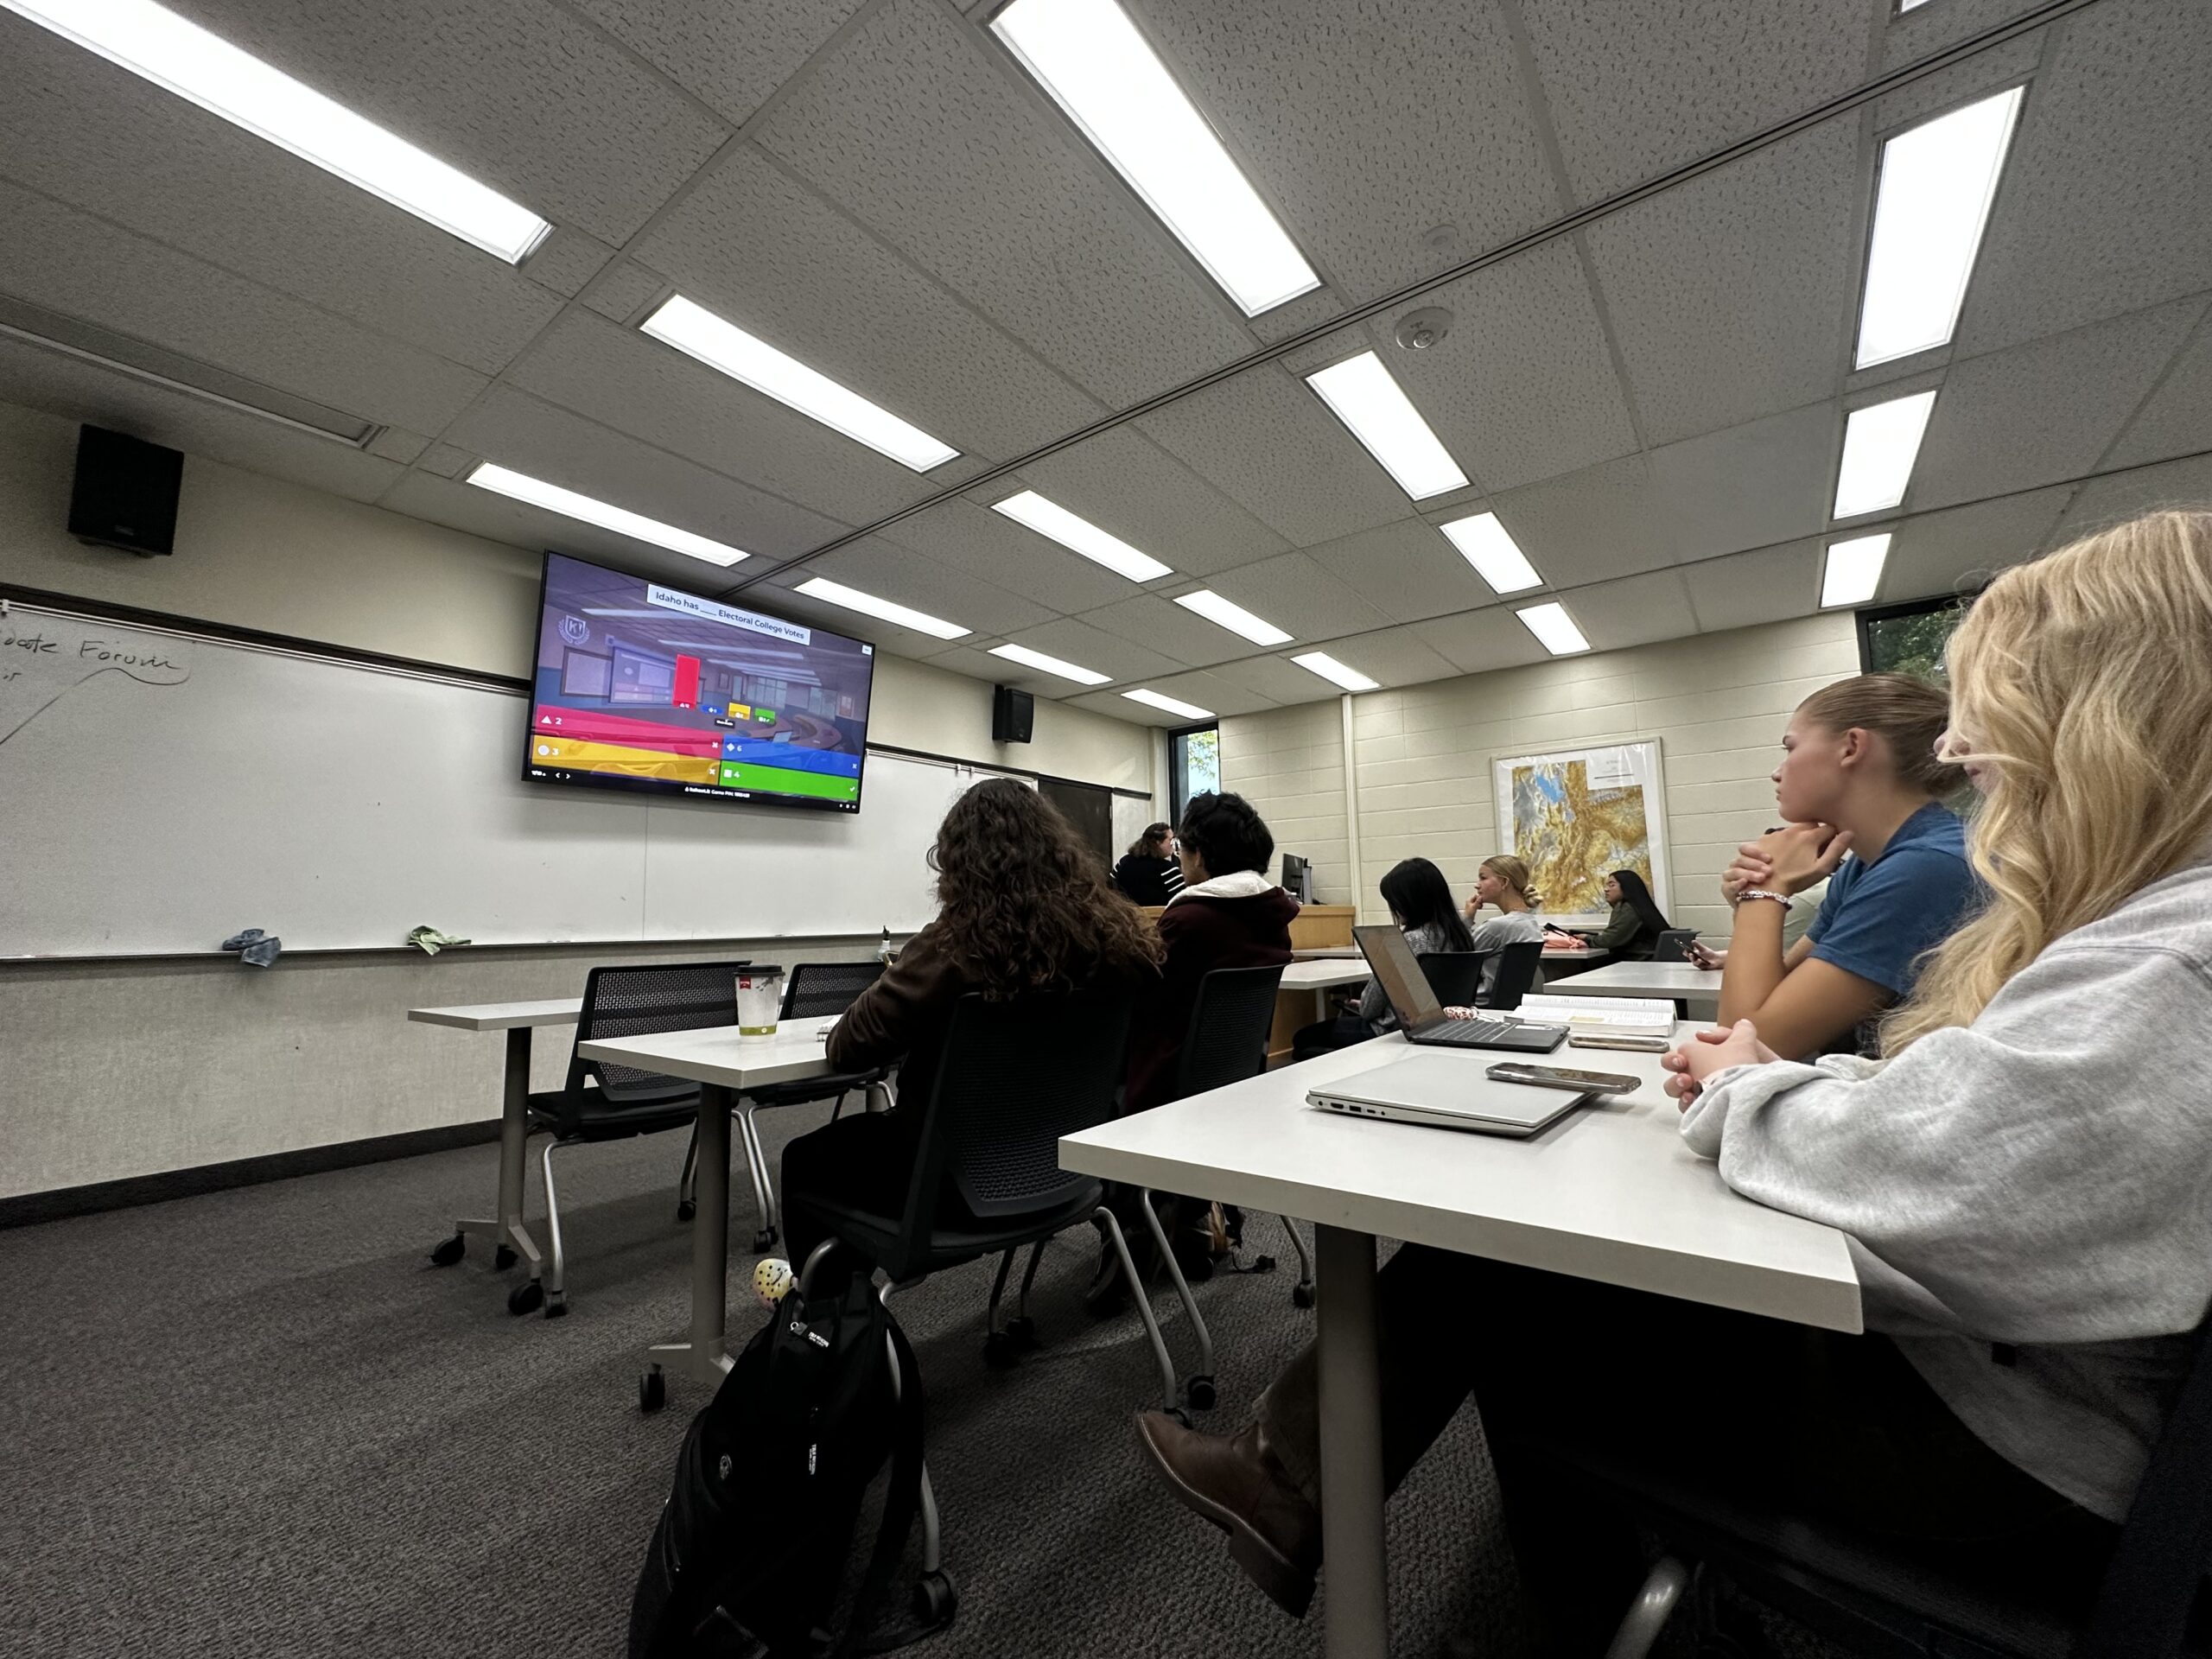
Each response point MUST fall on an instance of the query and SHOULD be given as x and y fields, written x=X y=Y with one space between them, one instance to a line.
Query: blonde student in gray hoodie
x=2022 y=1175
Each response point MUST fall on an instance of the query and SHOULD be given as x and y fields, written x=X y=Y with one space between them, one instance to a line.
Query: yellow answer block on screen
x=622 y=760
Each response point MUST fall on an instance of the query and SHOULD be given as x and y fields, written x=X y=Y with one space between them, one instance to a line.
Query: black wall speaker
x=125 y=492
x=1013 y=714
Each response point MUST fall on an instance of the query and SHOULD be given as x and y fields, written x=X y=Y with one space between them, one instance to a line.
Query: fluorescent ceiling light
x=1319 y=661
x=1089 y=57
x=150 y=41
x=1854 y=571
x=1051 y=519
x=1223 y=613
x=694 y=329
x=1482 y=542
x=1188 y=710
x=1553 y=628
x=1937 y=182
x=836 y=593
x=1880 y=443
x=607 y=516
x=1381 y=415
x=1910 y=5
x=1030 y=659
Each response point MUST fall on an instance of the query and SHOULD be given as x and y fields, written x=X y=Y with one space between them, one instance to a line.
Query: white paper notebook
x=1616 y=1016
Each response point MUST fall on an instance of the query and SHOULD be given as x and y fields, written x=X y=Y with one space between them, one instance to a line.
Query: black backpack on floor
x=752 y=1547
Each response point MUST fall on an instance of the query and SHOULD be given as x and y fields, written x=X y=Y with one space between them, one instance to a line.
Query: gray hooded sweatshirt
x=2029 y=1196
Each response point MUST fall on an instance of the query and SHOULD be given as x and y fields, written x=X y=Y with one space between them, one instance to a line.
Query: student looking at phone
x=1862 y=785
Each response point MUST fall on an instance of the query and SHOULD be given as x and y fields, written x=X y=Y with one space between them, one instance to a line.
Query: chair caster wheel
x=686 y=1209
x=1022 y=1333
x=934 y=1600
x=503 y=1257
x=525 y=1298
x=1000 y=1353
x=449 y=1250
x=556 y=1304
x=764 y=1240
x=1199 y=1391
x=1301 y=1295
x=652 y=1391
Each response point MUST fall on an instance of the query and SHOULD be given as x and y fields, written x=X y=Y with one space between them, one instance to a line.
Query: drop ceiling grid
x=692 y=43
x=1408 y=570
x=914 y=129
x=1606 y=520
x=1150 y=618
x=1127 y=484
x=1933 y=553
x=905 y=578
x=2176 y=419
x=990 y=546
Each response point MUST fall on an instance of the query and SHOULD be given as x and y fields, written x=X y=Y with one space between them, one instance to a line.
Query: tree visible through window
x=1194 y=761
x=1909 y=638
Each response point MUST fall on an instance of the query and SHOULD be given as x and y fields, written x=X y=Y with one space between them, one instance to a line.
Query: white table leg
x=1321 y=1005
x=1351 y=1448
x=506 y=1228
x=704 y=1357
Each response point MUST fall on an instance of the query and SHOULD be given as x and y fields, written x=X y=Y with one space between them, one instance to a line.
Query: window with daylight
x=1193 y=764
x=1909 y=638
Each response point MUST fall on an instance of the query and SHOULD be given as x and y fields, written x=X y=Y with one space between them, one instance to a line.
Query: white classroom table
x=1677 y=981
x=1321 y=975
x=1609 y=1193
x=723 y=1065
x=505 y=1226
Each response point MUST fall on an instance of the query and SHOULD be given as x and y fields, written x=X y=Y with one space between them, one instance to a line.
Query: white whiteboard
x=1132 y=817
x=160 y=792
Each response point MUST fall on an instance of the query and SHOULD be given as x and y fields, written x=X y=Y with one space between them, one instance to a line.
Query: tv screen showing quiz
x=654 y=690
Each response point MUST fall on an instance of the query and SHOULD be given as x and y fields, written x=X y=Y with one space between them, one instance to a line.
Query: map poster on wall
x=1574 y=815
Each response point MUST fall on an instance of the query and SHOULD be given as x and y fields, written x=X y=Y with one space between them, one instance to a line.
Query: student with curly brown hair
x=1022 y=906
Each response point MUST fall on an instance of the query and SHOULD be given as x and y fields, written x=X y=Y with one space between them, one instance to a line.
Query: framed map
x=1574 y=815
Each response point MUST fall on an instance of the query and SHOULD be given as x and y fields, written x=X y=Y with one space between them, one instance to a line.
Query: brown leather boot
x=1235 y=1482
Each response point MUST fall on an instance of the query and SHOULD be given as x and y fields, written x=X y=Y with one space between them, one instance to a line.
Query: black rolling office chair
x=1861 y=1590
x=1516 y=975
x=1456 y=977
x=1015 y=1076
x=1227 y=1042
x=611 y=1102
x=814 y=991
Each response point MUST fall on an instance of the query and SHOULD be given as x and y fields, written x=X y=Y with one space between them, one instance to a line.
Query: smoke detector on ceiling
x=1419 y=330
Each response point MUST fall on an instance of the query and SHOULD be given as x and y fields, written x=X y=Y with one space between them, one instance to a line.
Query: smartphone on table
x=1601 y=1039
x=1561 y=1077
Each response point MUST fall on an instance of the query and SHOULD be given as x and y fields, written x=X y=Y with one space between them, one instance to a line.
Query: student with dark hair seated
x=1636 y=923
x=1421 y=904
x=1148 y=874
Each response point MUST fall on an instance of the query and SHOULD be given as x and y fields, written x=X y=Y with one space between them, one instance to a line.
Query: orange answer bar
x=628 y=762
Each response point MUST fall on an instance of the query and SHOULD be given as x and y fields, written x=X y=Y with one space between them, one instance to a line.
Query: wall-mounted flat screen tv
x=648 y=689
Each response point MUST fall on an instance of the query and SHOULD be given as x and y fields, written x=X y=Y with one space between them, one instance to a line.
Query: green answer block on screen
x=784 y=780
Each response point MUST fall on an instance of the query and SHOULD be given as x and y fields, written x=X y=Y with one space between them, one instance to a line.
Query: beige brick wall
x=1717 y=703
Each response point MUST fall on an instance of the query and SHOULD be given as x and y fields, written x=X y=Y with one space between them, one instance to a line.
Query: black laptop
x=1398 y=971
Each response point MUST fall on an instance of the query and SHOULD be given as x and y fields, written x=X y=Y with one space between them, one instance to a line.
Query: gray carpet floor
x=258 y=1422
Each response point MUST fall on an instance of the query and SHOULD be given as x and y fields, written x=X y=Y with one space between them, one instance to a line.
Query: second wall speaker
x=1013 y=714
x=125 y=492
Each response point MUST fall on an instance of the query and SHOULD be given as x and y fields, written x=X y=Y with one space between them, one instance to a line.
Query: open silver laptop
x=1449 y=1091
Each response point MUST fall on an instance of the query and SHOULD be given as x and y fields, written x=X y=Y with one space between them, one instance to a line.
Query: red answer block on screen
x=686 y=692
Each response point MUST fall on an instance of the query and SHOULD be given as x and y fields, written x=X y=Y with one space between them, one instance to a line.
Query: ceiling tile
x=2105 y=206
x=1207 y=692
x=638 y=385
x=1634 y=612
x=2104 y=502
x=1167 y=627
x=397 y=444
x=72 y=262
x=1093 y=648
x=1393 y=656
x=1300 y=596
x=566 y=260
x=875 y=566
x=544 y=440
x=1940 y=552
x=2044 y=411
x=1276 y=679
x=925 y=132
x=446 y=461
x=1407 y=571
x=1608 y=520
x=2176 y=419
x=1522 y=387
x=625 y=290
x=1753 y=484
x=1124 y=483
x=1444 y=134
x=755 y=246
x=973 y=538
x=1914 y=34
x=1635 y=90
x=776 y=597
x=1268 y=443
x=696 y=44
x=1987 y=71
x=519 y=94
x=1732 y=295
x=1743 y=590
x=1482 y=640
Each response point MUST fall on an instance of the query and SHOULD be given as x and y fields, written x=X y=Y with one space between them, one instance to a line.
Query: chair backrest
x=1674 y=945
x=1227 y=1040
x=631 y=1001
x=818 y=990
x=1456 y=977
x=1516 y=974
x=1015 y=1077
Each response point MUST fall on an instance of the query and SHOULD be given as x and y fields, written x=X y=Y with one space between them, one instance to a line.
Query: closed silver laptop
x=1446 y=1091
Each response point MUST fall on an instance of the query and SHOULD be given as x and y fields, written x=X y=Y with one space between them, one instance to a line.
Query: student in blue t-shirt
x=1861 y=788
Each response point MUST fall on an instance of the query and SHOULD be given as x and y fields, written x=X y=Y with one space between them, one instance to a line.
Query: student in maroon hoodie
x=1229 y=914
